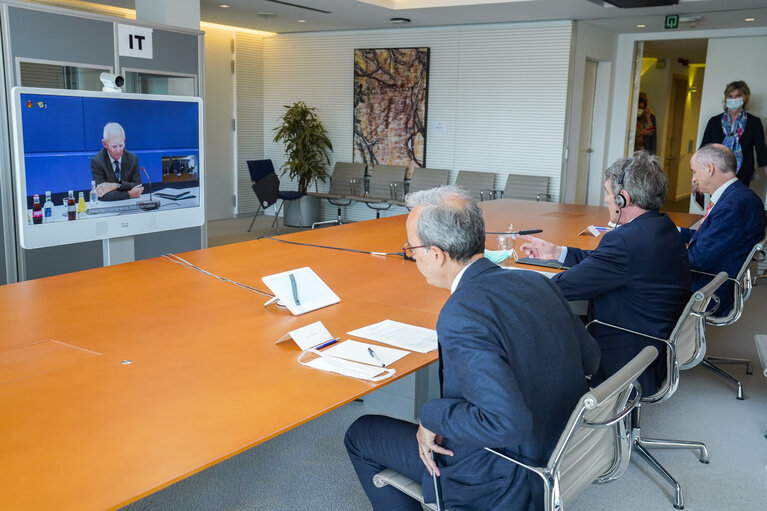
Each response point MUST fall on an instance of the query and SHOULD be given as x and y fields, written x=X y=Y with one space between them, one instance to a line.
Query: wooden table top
x=79 y=429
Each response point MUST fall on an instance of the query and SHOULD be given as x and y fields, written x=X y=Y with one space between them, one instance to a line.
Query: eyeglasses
x=409 y=251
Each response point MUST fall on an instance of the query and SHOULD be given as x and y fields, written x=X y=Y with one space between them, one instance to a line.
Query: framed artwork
x=390 y=92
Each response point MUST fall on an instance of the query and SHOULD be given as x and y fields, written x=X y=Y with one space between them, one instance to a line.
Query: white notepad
x=311 y=292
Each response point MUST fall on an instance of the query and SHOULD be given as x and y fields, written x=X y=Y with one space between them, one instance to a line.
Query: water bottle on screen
x=81 y=208
x=48 y=208
x=94 y=195
x=71 y=207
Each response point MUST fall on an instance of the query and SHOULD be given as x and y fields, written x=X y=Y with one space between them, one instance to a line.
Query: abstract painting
x=390 y=87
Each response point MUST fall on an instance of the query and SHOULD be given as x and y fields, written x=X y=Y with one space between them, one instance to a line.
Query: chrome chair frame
x=338 y=183
x=593 y=447
x=761 y=348
x=742 y=287
x=688 y=341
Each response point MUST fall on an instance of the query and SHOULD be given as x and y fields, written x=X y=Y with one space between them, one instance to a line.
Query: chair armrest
x=617 y=418
x=537 y=470
x=547 y=195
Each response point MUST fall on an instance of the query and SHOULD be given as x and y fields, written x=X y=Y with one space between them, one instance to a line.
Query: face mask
x=734 y=103
x=498 y=256
x=640 y=111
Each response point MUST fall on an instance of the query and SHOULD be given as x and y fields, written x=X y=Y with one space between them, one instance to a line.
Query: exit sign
x=672 y=21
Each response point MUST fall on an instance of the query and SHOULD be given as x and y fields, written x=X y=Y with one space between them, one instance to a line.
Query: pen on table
x=294 y=287
x=327 y=343
x=375 y=357
x=522 y=233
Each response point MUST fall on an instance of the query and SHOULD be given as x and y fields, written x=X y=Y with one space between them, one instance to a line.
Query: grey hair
x=641 y=176
x=112 y=128
x=450 y=220
x=719 y=156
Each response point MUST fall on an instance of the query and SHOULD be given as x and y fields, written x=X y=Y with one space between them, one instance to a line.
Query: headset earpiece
x=620 y=201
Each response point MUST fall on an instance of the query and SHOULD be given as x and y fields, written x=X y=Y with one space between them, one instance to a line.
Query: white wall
x=501 y=89
x=219 y=112
x=594 y=43
x=721 y=68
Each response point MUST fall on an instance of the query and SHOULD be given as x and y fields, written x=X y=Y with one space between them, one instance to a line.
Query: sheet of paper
x=311 y=335
x=547 y=274
x=358 y=351
x=348 y=368
x=401 y=335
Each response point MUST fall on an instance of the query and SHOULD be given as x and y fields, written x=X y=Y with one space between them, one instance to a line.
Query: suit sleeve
x=492 y=409
x=604 y=270
x=723 y=231
x=98 y=171
x=132 y=175
x=575 y=255
x=687 y=234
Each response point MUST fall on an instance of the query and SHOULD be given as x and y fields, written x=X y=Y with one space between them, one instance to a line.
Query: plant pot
x=310 y=212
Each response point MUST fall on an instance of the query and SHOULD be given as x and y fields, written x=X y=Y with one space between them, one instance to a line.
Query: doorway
x=671 y=81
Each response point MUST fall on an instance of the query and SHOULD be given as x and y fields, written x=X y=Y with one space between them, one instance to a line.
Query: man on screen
x=114 y=169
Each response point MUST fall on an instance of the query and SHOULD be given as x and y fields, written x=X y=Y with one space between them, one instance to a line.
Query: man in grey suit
x=114 y=169
x=513 y=363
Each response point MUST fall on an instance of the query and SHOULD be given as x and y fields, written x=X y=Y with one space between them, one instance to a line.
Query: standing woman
x=740 y=131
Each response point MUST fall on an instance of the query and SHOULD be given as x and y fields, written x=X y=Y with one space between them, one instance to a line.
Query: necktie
x=117 y=170
x=708 y=208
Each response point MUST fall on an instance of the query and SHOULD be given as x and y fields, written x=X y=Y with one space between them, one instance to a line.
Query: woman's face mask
x=640 y=111
x=734 y=103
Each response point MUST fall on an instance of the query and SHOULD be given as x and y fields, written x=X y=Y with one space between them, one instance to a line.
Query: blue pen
x=328 y=343
x=294 y=287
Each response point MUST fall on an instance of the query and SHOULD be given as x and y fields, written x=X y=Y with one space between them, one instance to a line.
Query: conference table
x=118 y=381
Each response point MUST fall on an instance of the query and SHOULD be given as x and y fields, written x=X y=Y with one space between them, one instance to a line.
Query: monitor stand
x=118 y=250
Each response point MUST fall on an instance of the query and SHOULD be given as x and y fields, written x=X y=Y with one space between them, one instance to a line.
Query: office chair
x=480 y=185
x=526 y=187
x=266 y=186
x=761 y=347
x=742 y=285
x=593 y=447
x=686 y=349
x=422 y=179
x=385 y=184
x=347 y=184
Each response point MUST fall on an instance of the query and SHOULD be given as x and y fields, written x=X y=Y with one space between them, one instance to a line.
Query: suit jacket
x=514 y=359
x=752 y=138
x=725 y=238
x=637 y=278
x=103 y=172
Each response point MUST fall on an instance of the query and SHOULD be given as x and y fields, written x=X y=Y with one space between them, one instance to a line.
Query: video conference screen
x=87 y=157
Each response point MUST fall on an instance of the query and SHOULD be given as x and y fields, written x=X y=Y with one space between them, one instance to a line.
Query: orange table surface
x=79 y=429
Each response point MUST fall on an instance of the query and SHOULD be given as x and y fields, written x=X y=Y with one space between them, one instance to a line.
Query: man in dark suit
x=733 y=224
x=638 y=277
x=114 y=169
x=513 y=360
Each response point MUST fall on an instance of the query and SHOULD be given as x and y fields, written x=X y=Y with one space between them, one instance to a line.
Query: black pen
x=294 y=286
x=529 y=231
x=375 y=357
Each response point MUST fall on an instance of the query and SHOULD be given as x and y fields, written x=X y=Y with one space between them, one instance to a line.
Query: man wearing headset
x=638 y=277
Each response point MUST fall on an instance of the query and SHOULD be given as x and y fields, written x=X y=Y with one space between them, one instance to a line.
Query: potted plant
x=307 y=147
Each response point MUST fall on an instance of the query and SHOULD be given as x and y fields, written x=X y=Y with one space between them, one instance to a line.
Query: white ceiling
x=354 y=15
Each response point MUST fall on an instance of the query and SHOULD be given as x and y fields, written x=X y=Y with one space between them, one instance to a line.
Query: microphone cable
x=401 y=254
x=186 y=264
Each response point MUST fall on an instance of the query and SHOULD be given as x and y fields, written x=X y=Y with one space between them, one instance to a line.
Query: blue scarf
x=732 y=134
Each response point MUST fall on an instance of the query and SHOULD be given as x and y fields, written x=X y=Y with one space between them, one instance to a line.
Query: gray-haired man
x=513 y=360
x=637 y=278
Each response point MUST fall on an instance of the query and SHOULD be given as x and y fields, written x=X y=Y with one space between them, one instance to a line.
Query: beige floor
x=235 y=230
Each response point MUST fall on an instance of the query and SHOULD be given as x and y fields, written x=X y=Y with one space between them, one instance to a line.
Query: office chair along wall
x=593 y=447
x=526 y=188
x=347 y=184
x=742 y=286
x=686 y=347
x=266 y=186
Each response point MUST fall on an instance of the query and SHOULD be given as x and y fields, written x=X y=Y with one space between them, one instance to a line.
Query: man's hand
x=136 y=192
x=428 y=442
x=539 y=248
x=104 y=188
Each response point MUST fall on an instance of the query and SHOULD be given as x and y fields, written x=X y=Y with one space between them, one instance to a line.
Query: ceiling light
x=302 y=21
x=750 y=19
x=641 y=26
x=399 y=21
x=224 y=6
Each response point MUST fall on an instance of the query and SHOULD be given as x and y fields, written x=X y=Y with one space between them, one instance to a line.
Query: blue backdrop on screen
x=62 y=134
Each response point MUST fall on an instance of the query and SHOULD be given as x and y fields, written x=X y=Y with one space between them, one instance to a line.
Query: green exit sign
x=672 y=21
